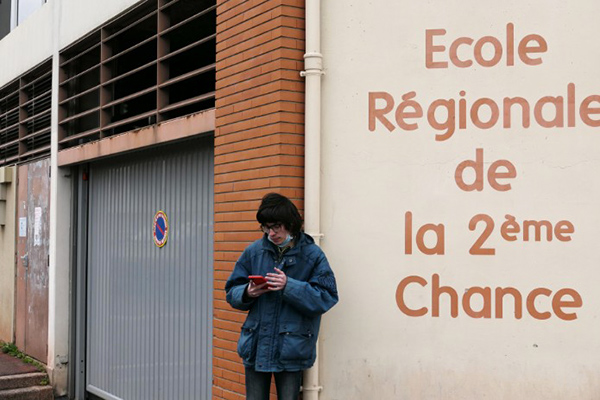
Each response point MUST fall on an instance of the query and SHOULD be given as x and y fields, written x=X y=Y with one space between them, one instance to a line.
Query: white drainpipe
x=313 y=64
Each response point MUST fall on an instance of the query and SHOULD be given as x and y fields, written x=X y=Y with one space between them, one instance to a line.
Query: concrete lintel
x=165 y=132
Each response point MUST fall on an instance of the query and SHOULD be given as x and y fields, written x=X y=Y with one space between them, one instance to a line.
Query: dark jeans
x=258 y=384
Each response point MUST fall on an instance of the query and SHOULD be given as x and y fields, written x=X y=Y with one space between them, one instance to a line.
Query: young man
x=280 y=333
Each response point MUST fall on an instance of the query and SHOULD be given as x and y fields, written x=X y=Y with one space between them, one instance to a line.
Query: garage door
x=149 y=307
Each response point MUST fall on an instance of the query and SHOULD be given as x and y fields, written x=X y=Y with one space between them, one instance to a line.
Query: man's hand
x=277 y=280
x=253 y=290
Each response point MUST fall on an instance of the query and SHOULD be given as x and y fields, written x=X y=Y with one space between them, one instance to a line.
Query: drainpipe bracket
x=312 y=72
x=313 y=64
x=312 y=389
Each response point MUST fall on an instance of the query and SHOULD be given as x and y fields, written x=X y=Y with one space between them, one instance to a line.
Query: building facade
x=114 y=112
x=441 y=153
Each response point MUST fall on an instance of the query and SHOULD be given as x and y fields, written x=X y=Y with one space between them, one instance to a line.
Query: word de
x=528 y=45
x=493 y=174
x=560 y=303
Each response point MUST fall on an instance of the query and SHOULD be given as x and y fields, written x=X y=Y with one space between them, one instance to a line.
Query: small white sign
x=23 y=227
x=37 y=227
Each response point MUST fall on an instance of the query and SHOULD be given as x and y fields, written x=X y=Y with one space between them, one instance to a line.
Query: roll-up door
x=149 y=308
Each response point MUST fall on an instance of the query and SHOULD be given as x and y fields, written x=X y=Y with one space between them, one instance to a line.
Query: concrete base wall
x=7 y=265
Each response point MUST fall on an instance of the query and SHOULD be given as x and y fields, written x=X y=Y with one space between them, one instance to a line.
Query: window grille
x=25 y=107
x=152 y=64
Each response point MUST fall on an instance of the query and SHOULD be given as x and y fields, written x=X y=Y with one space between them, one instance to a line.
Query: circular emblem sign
x=161 y=229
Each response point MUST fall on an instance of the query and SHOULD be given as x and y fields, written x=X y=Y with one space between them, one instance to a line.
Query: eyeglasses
x=268 y=227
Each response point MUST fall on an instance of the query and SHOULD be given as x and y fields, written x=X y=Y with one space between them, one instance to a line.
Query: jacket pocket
x=247 y=344
x=297 y=342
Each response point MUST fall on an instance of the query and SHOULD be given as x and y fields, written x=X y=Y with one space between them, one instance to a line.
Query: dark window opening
x=38 y=124
x=80 y=83
x=133 y=83
x=80 y=104
x=83 y=128
x=82 y=56
x=139 y=16
x=184 y=9
x=191 y=31
x=190 y=88
x=133 y=59
x=133 y=107
x=131 y=35
x=192 y=59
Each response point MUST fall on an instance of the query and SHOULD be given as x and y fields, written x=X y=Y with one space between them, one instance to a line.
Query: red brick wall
x=259 y=145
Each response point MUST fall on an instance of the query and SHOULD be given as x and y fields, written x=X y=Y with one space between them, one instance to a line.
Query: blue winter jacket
x=281 y=329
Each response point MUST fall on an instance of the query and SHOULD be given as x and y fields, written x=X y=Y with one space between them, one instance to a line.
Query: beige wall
x=7 y=265
x=371 y=348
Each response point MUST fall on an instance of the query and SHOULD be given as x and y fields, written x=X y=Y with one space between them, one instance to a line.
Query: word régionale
x=449 y=115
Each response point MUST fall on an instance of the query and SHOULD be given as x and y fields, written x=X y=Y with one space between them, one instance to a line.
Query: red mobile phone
x=258 y=279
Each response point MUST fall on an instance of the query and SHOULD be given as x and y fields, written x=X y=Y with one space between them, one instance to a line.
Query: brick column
x=259 y=146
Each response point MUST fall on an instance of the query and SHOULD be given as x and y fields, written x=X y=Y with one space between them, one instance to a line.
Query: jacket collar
x=300 y=242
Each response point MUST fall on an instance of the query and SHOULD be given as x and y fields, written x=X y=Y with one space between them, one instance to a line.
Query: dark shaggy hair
x=278 y=208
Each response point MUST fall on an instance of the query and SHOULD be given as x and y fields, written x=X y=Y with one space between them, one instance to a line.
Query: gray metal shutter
x=149 y=309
